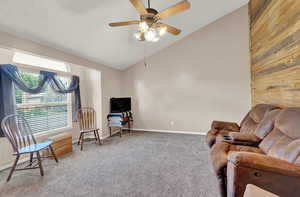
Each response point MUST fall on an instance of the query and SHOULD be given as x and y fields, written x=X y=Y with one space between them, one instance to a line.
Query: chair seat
x=35 y=147
x=89 y=130
x=115 y=125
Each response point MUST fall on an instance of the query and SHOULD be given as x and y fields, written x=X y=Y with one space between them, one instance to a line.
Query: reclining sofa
x=274 y=165
x=234 y=132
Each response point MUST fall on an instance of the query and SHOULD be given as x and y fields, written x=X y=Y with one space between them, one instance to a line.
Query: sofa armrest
x=231 y=126
x=275 y=175
x=211 y=137
x=245 y=139
x=264 y=163
x=237 y=136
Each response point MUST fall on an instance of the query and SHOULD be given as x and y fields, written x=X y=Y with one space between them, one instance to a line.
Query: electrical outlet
x=172 y=123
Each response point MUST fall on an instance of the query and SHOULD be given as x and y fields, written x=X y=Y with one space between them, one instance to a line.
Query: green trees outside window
x=45 y=111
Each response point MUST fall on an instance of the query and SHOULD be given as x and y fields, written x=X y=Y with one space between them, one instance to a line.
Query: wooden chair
x=19 y=134
x=87 y=124
x=113 y=122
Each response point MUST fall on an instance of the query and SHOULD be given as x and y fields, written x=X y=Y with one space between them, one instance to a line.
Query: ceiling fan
x=150 y=29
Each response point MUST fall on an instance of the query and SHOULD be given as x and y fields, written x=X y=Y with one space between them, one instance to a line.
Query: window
x=23 y=58
x=47 y=110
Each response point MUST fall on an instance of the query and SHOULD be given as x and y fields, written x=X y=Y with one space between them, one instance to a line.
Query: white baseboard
x=169 y=131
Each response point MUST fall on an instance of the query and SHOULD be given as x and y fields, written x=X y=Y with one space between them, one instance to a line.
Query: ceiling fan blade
x=175 y=9
x=171 y=29
x=139 y=6
x=117 y=24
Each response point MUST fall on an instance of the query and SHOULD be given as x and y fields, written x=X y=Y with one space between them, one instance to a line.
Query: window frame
x=36 y=70
x=14 y=51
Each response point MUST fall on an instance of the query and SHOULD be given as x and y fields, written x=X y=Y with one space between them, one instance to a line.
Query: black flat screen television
x=118 y=105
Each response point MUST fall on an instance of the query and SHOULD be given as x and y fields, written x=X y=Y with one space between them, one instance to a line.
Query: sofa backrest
x=255 y=116
x=283 y=140
x=267 y=124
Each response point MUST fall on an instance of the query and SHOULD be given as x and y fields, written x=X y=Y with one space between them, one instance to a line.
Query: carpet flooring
x=143 y=164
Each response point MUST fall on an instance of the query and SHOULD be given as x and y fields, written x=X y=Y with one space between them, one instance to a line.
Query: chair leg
x=80 y=136
x=31 y=158
x=109 y=131
x=96 y=138
x=40 y=163
x=97 y=133
x=121 y=131
x=129 y=127
x=82 y=140
x=13 y=168
x=53 y=153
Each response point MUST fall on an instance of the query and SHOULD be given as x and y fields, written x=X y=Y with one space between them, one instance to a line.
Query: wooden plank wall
x=275 y=51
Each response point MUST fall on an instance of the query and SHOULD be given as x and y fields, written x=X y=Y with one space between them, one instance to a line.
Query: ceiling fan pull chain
x=145 y=63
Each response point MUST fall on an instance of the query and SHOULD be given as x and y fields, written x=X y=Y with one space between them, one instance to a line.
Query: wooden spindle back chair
x=87 y=118
x=87 y=123
x=21 y=138
x=18 y=132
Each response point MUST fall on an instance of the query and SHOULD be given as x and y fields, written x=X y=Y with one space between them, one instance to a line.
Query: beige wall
x=96 y=87
x=203 y=77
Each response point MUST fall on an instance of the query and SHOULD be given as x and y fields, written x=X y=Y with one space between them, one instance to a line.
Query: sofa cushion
x=269 y=141
x=289 y=123
x=258 y=112
x=249 y=125
x=292 y=152
x=255 y=116
x=267 y=124
x=283 y=141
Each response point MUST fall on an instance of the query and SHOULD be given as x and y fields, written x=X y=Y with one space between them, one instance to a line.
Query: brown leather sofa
x=241 y=134
x=220 y=151
x=277 y=168
x=274 y=165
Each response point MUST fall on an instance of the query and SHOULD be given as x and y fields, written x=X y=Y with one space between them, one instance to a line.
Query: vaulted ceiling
x=81 y=27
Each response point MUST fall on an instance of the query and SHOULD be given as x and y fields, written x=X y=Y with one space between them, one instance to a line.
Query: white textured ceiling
x=81 y=27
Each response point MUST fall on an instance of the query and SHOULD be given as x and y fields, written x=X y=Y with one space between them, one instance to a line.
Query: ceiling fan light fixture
x=150 y=28
x=143 y=26
x=152 y=35
x=139 y=36
x=162 y=30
